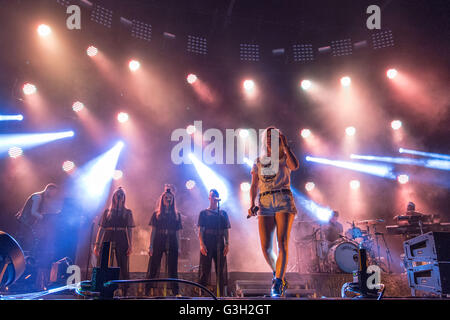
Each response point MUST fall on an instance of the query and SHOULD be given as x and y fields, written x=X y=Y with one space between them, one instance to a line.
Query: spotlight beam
x=17 y=117
x=30 y=140
x=426 y=163
x=93 y=180
x=425 y=154
x=383 y=171
x=312 y=208
x=210 y=179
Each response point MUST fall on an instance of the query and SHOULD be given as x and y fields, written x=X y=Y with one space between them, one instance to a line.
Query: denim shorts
x=269 y=204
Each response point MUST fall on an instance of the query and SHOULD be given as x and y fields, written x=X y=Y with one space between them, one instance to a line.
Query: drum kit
x=341 y=255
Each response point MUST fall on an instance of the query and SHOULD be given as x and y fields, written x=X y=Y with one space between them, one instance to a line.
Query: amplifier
x=431 y=246
x=433 y=277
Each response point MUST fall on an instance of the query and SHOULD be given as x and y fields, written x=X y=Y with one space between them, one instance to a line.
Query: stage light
x=249 y=85
x=426 y=163
x=396 y=124
x=384 y=171
x=15 y=152
x=93 y=179
x=425 y=154
x=243 y=133
x=403 y=178
x=92 y=51
x=245 y=187
x=191 y=78
x=350 y=131
x=313 y=209
x=16 y=117
x=305 y=133
x=122 y=117
x=355 y=184
x=346 y=81
x=309 y=186
x=306 y=84
x=210 y=179
x=30 y=140
x=134 y=65
x=68 y=166
x=77 y=106
x=117 y=174
x=44 y=30
x=191 y=129
x=190 y=184
x=391 y=73
x=248 y=162
x=29 y=88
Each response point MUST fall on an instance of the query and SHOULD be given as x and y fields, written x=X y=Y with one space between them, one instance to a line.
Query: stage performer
x=115 y=226
x=333 y=230
x=214 y=228
x=38 y=225
x=271 y=177
x=165 y=239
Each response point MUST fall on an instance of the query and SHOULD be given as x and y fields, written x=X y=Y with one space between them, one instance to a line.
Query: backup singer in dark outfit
x=165 y=238
x=213 y=236
x=115 y=226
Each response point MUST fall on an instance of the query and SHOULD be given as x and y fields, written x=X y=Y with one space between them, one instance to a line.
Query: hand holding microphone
x=253 y=211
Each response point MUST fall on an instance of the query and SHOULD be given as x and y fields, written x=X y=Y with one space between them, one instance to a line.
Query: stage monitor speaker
x=12 y=260
x=431 y=246
x=432 y=277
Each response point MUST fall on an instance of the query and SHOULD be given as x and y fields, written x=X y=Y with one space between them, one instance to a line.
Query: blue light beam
x=426 y=163
x=92 y=181
x=210 y=179
x=313 y=209
x=29 y=140
x=425 y=154
x=384 y=171
x=16 y=117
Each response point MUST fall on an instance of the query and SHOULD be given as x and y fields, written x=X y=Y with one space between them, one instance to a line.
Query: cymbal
x=371 y=222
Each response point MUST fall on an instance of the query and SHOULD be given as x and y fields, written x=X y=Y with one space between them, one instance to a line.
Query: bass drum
x=343 y=257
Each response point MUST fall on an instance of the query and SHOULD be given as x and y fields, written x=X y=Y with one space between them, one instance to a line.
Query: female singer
x=271 y=177
x=165 y=238
x=115 y=226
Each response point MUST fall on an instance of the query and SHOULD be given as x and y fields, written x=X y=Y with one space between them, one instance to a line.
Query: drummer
x=333 y=230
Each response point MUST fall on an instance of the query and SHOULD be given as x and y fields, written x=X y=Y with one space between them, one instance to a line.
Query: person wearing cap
x=115 y=226
x=214 y=228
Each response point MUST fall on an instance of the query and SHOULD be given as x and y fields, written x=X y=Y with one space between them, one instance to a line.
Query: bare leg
x=266 y=231
x=284 y=224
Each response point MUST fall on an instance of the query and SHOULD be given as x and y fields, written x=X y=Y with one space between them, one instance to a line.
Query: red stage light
x=117 y=175
x=249 y=85
x=15 y=152
x=309 y=186
x=396 y=124
x=391 y=73
x=122 y=117
x=44 y=30
x=68 y=166
x=346 y=81
x=403 y=178
x=92 y=51
x=134 y=65
x=77 y=106
x=305 y=133
x=29 y=88
x=190 y=184
x=191 y=78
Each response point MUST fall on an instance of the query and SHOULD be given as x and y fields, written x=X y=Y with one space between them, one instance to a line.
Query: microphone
x=254 y=212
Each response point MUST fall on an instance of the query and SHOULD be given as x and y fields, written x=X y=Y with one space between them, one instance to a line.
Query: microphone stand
x=219 y=254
